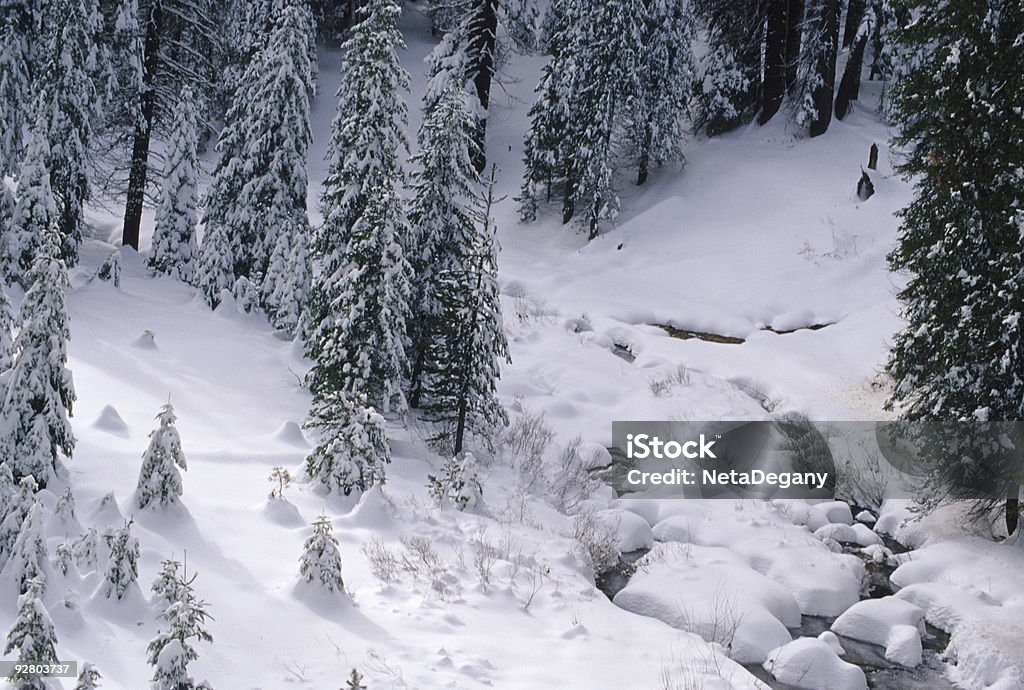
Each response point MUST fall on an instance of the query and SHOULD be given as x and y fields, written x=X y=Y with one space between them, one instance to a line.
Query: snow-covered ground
x=760 y=229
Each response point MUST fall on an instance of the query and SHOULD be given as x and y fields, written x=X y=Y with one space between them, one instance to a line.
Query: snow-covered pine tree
x=214 y=272
x=159 y=480
x=727 y=94
x=17 y=509
x=174 y=235
x=122 y=567
x=167 y=586
x=463 y=360
x=32 y=638
x=284 y=291
x=34 y=209
x=85 y=550
x=353 y=449
x=816 y=66
x=961 y=355
x=7 y=492
x=459 y=483
x=6 y=341
x=40 y=391
x=29 y=557
x=7 y=204
x=88 y=678
x=259 y=184
x=360 y=298
x=172 y=650
x=662 y=84
x=321 y=561
x=441 y=214
x=69 y=103
x=21 y=40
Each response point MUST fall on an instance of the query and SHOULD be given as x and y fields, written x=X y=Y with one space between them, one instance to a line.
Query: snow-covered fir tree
x=320 y=562
x=259 y=184
x=7 y=204
x=34 y=209
x=353 y=447
x=173 y=648
x=21 y=39
x=14 y=516
x=214 y=272
x=284 y=292
x=360 y=298
x=355 y=681
x=816 y=66
x=662 y=85
x=462 y=364
x=961 y=242
x=6 y=341
x=122 y=566
x=40 y=392
x=441 y=214
x=727 y=90
x=32 y=638
x=8 y=490
x=88 y=678
x=159 y=480
x=86 y=550
x=459 y=483
x=174 y=234
x=69 y=103
x=29 y=557
x=167 y=585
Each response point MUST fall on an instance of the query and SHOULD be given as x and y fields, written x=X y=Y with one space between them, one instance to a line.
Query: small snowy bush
x=321 y=560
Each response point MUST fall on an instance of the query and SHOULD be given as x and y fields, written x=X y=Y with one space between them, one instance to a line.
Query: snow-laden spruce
x=32 y=638
x=34 y=209
x=18 y=507
x=285 y=288
x=167 y=586
x=463 y=359
x=259 y=182
x=69 y=103
x=88 y=678
x=359 y=305
x=353 y=448
x=7 y=204
x=214 y=272
x=6 y=341
x=159 y=480
x=442 y=213
x=122 y=566
x=174 y=233
x=815 y=66
x=20 y=41
x=34 y=414
x=320 y=562
x=29 y=559
x=458 y=484
x=726 y=94
x=173 y=648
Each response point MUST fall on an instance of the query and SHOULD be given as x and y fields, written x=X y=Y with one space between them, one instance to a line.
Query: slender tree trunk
x=143 y=129
x=822 y=95
x=482 y=35
x=774 y=58
x=417 y=385
x=1012 y=510
x=849 y=86
x=854 y=14
x=794 y=22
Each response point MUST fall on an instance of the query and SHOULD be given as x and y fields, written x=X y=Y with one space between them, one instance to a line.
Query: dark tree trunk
x=822 y=95
x=873 y=157
x=854 y=14
x=774 y=58
x=416 y=390
x=794 y=22
x=482 y=32
x=849 y=86
x=143 y=129
x=1012 y=509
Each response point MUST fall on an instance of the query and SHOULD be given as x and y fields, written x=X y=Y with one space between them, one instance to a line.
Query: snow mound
x=832 y=640
x=146 y=341
x=110 y=422
x=811 y=663
x=824 y=583
x=859 y=534
x=889 y=622
x=866 y=517
x=594 y=456
x=632 y=531
x=282 y=512
x=106 y=511
x=829 y=513
x=715 y=594
x=291 y=433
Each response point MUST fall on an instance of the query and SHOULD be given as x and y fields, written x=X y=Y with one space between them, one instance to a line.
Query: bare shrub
x=383 y=562
x=571 y=483
x=661 y=387
x=526 y=440
x=599 y=541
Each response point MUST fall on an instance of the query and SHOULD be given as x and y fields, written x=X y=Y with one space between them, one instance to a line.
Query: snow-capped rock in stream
x=889 y=622
x=811 y=663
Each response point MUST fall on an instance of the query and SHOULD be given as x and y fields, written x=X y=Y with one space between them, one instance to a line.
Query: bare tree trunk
x=1012 y=509
x=854 y=14
x=849 y=86
x=774 y=59
x=794 y=22
x=822 y=95
x=482 y=35
x=143 y=129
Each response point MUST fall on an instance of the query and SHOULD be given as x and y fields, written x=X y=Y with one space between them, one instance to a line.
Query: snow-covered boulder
x=811 y=663
x=823 y=583
x=866 y=517
x=848 y=534
x=829 y=513
x=110 y=422
x=889 y=622
x=632 y=531
x=832 y=640
x=594 y=456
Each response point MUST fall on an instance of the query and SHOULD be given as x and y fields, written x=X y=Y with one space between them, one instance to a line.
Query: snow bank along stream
x=798 y=593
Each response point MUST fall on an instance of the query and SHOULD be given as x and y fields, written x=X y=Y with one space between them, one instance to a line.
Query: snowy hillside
x=749 y=283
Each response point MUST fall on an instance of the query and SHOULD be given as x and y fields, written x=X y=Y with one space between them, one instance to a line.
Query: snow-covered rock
x=832 y=640
x=813 y=664
x=889 y=622
x=848 y=534
x=109 y=421
x=866 y=517
x=632 y=531
x=594 y=456
x=829 y=513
